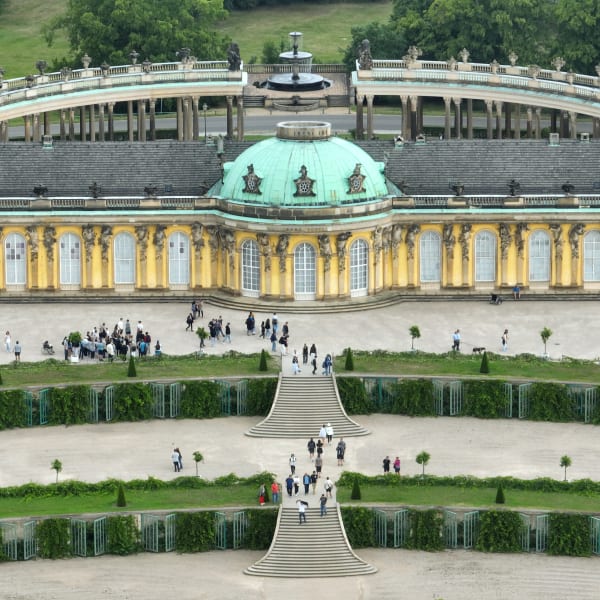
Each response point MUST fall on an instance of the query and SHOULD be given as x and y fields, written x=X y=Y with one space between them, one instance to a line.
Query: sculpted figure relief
x=89 y=239
x=575 y=233
x=557 y=233
x=282 y=248
x=411 y=236
x=522 y=228
x=396 y=239
x=325 y=250
x=465 y=239
x=387 y=238
x=449 y=239
x=265 y=248
x=213 y=241
x=31 y=234
x=141 y=232
x=49 y=241
x=228 y=244
x=159 y=240
x=505 y=239
x=377 y=237
x=197 y=241
x=340 y=243
x=105 y=238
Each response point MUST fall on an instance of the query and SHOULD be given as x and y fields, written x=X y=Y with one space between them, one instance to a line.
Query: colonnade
x=96 y=122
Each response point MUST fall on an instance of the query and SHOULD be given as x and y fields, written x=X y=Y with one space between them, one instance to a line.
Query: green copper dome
x=303 y=166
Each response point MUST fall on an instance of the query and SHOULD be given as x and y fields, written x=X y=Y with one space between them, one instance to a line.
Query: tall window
x=179 y=259
x=250 y=268
x=359 y=268
x=124 y=259
x=15 y=259
x=591 y=256
x=539 y=256
x=485 y=257
x=430 y=256
x=70 y=259
x=305 y=272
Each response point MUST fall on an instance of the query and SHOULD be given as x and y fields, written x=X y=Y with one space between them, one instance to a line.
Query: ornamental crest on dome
x=356 y=181
x=304 y=184
x=252 y=181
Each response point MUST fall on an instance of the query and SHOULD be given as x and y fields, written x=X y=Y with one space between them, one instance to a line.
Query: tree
x=198 y=458
x=500 y=495
x=108 y=30
x=485 y=364
x=414 y=332
x=262 y=366
x=202 y=335
x=355 y=494
x=121 y=500
x=131 y=372
x=56 y=466
x=423 y=459
x=545 y=335
x=565 y=463
x=349 y=365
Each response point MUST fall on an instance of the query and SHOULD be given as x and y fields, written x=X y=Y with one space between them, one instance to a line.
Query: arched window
x=70 y=259
x=250 y=268
x=124 y=259
x=305 y=272
x=485 y=257
x=15 y=259
x=359 y=268
x=179 y=259
x=539 y=256
x=591 y=256
x=430 y=256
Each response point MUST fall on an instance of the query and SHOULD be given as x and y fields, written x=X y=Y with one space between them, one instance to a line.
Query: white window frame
x=124 y=248
x=430 y=257
x=305 y=272
x=250 y=268
x=591 y=256
x=69 y=246
x=15 y=260
x=179 y=259
x=359 y=268
x=485 y=248
x=539 y=256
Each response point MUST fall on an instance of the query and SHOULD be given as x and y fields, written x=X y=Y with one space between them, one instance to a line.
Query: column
x=111 y=121
x=596 y=127
x=370 y=117
x=489 y=106
x=92 y=123
x=152 y=104
x=529 y=122
x=469 y=119
x=573 y=125
x=179 y=120
x=405 y=118
x=517 y=121
x=240 y=118
x=130 y=120
x=553 y=119
x=3 y=131
x=195 y=118
x=563 y=124
x=447 y=103
x=63 y=129
x=498 y=120
x=187 y=120
x=36 y=128
x=360 y=132
x=27 y=125
x=229 y=117
x=82 y=135
x=141 y=120
x=508 y=107
x=414 y=123
x=101 y=127
x=47 y=125
x=538 y=123
x=457 y=118
x=71 y=124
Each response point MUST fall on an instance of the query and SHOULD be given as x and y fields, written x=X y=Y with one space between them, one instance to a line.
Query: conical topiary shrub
x=349 y=366
x=1 y=382
x=500 y=495
x=262 y=366
x=485 y=365
x=355 y=495
x=131 y=372
x=121 y=501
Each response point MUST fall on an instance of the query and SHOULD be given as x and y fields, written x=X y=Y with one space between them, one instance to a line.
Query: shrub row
x=131 y=402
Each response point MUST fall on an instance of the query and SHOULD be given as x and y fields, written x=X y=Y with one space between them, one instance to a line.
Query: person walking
x=328 y=487
x=292 y=462
x=386 y=465
x=302 y=506
x=263 y=329
x=295 y=364
x=7 y=341
x=329 y=433
x=323 y=504
x=311 y=449
x=323 y=433
x=306 y=482
x=275 y=492
x=227 y=337
x=180 y=458
x=189 y=322
x=456 y=340
x=397 y=466
x=261 y=494
x=305 y=354
x=318 y=465
x=175 y=460
x=17 y=352
x=340 y=452
x=313 y=481
x=327 y=364
x=296 y=485
x=505 y=340
x=289 y=485
x=267 y=329
x=319 y=448
x=273 y=340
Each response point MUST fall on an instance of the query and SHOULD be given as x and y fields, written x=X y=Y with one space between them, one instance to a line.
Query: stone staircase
x=302 y=405
x=317 y=548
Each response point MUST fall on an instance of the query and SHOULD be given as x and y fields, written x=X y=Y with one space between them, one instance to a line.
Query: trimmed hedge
x=261 y=529
x=484 y=399
x=354 y=397
x=359 y=523
x=551 y=402
x=195 y=532
x=261 y=393
x=13 y=409
x=425 y=531
x=133 y=402
x=413 y=397
x=499 y=531
x=123 y=535
x=569 y=535
x=200 y=400
x=53 y=538
x=69 y=406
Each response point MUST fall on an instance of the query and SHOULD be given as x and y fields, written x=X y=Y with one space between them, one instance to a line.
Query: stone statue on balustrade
x=233 y=57
x=365 y=60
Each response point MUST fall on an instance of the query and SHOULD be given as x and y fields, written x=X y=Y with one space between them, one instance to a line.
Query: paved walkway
x=467 y=446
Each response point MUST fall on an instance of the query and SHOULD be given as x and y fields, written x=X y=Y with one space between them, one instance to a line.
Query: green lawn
x=137 y=500
x=449 y=496
x=52 y=371
x=466 y=365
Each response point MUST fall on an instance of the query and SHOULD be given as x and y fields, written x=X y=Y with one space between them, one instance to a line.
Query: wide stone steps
x=317 y=548
x=302 y=406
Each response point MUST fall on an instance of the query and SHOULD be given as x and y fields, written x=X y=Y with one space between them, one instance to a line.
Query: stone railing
x=493 y=74
x=106 y=77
